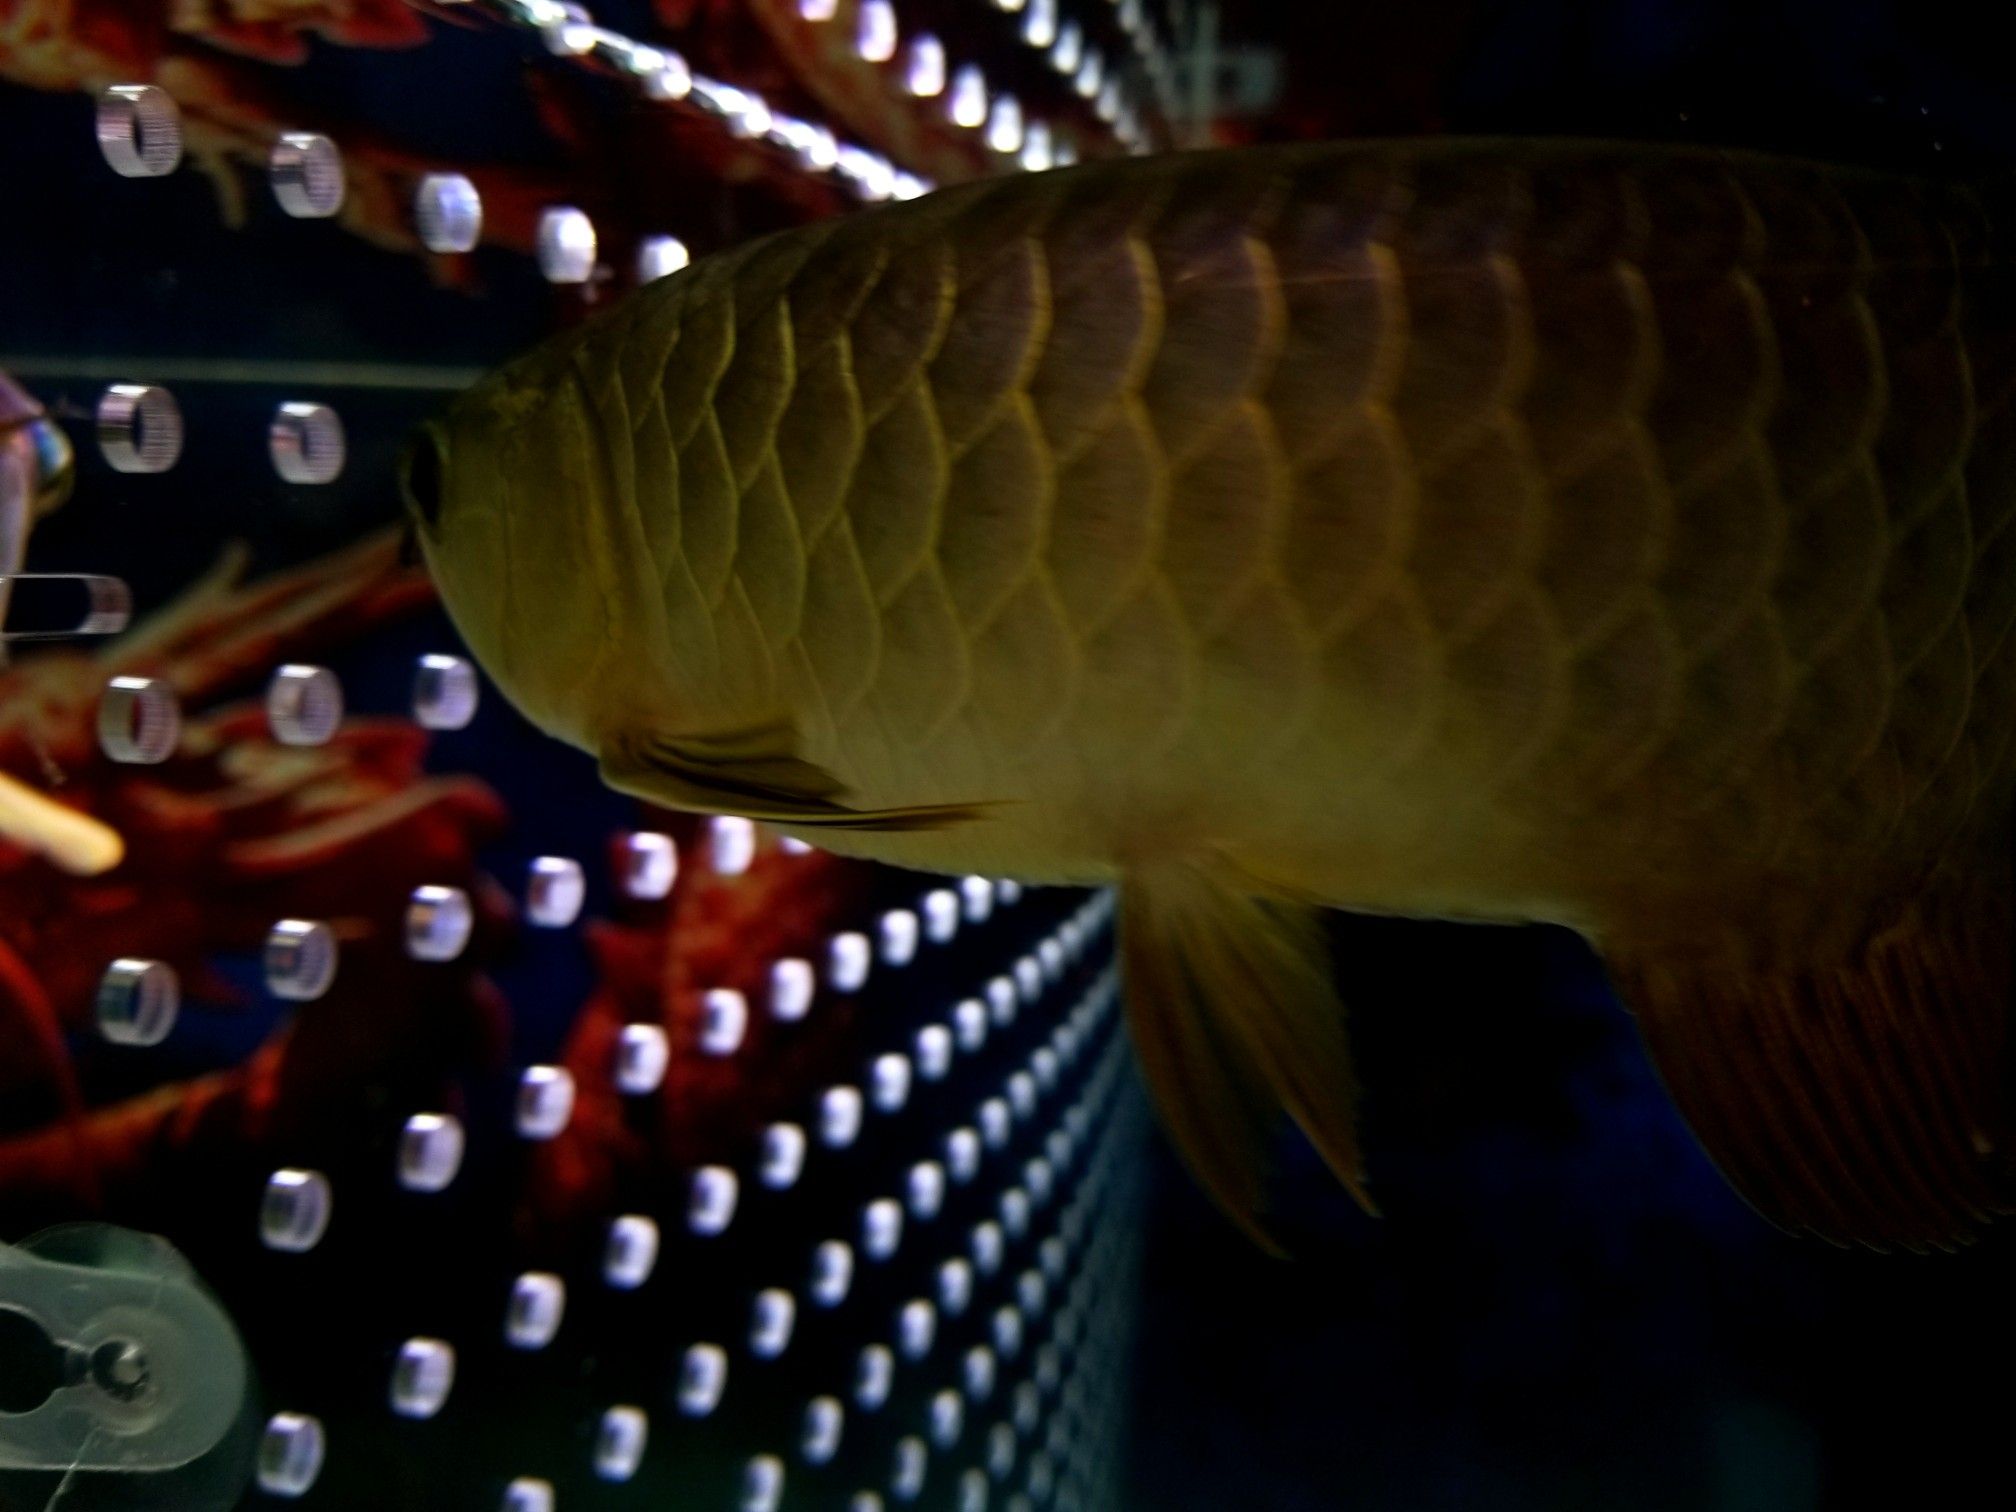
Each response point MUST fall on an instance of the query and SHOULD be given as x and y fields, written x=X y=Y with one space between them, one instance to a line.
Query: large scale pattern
x=1557 y=516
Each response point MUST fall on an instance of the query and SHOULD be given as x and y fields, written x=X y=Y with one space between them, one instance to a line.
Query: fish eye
x=420 y=476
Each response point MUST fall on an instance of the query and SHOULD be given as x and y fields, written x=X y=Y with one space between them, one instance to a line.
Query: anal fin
x=1236 y=1019
x=1866 y=1100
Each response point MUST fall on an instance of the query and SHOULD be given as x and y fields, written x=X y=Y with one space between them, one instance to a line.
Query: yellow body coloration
x=1511 y=530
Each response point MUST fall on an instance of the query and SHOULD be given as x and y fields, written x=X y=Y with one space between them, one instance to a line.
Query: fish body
x=1529 y=531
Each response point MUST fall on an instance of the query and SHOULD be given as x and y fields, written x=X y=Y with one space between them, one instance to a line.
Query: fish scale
x=1617 y=536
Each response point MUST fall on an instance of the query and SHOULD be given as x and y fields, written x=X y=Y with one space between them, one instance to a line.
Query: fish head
x=506 y=493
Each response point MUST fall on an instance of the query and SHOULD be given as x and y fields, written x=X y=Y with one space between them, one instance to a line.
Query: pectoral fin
x=1236 y=1019
x=754 y=772
x=1866 y=1101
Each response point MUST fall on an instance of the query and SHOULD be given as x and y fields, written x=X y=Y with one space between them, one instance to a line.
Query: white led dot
x=630 y=1253
x=439 y=921
x=771 y=1318
x=306 y=172
x=431 y=1146
x=1052 y=1256
x=1022 y=1094
x=1069 y=50
x=876 y=39
x=976 y=897
x=881 y=1228
x=934 y=1052
x=1044 y=1067
x=969 y=1025
x=304 y=705
x=783 y=1157
x=973 y=1491
x=832 y=1273
x=545 y=1101
x=731 y=845
x=1037 y=155
x=889 y=1082
x=978 y=1373
x=290 y=1454
x=139 y=428
x=138 y=1002
x=1090 y=74
x=968 y=103
x=647 y=865
x=1039 y=23
x=874 y=1374
x=818 y=10
x=306 y=443
x=663 y=76
x=1007 y=892
x=445 y=692
x=1050 y=955
x=916 y=1328
x=1107 y=105
x=1001 y=1448
x=926 y=1190
x=422 y=1376
x=847 y=961
x=940 y=910
x=139 y=721
x=555 y=889
x=791 y=989
x=528 y=1494
x=1001 y=1004
x=1032 y=1293
x=532 y=1315
x=1015 y=1212
x=1028 y=1407
x=1007 y=1332
x=620 y=1438
x=988 y=1247
x=294 y=1214
x=825 y=1420
x=962 y=1154
x=139 y=130
x=566 y=246
x=660 y=256
x=643 y=1054
x=924 y=75
x=995 y=1123
x=913 y=1460
x=947 y=1418
x=839 y=1117
x=448 y=213
x=763 y=1484
x=955 y=1286
x=896 y=937
x=300 y=960
x=711 y=1200
x=1004 y=124
x=1029 y=978
x=703 y=1377
x=724 y=1020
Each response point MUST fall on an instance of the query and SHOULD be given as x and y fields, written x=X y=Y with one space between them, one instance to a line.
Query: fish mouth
x=423 y=476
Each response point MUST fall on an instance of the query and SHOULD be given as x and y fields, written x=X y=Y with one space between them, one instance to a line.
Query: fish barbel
x=1605 y=535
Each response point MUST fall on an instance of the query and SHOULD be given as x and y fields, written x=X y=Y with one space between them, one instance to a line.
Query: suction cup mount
x=113 y=1356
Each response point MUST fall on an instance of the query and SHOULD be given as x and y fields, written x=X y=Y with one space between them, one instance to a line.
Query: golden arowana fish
x=1501 y=530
